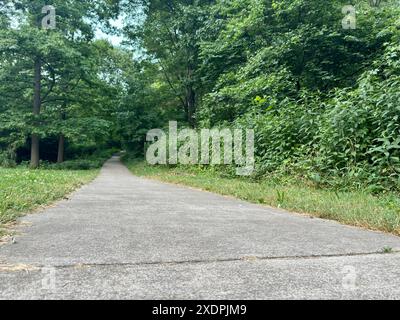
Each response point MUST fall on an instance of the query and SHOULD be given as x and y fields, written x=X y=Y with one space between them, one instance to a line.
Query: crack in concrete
x=183 y=262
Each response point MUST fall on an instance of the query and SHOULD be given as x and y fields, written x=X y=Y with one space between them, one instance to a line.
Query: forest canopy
x=324 y=100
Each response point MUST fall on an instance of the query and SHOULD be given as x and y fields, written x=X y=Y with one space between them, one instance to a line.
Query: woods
x=323 y=99
x=55 y=84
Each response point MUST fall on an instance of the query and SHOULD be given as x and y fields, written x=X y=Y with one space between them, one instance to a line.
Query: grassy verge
x=23 y=190
x=357 y=208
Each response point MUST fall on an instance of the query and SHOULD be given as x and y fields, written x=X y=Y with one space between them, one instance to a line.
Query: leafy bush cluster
x=6 y=160
x=95 y=161
x=324 y=102
x=353 y=133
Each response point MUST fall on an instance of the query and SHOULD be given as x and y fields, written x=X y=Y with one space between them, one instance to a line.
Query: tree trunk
x=61 y=148
x=35 y=158
x=61 y=139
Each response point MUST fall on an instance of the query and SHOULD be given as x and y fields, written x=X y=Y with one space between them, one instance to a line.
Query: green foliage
x=324 y=101
x=78 y=74
x=6 y=161
x=94 y=161
x=77 y=165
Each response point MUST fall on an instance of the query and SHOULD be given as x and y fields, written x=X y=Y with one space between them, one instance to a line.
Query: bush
x=6 y=161
x=77 y=165
x=94 y=161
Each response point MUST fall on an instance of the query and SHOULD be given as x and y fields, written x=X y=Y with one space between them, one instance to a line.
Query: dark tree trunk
x=61 y=139
x=61 y=148
x=35 y=155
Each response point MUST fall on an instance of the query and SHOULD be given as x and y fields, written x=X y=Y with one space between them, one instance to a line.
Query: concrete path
x=132 y=238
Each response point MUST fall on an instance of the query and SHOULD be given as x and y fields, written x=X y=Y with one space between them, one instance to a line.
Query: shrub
x=6 y=161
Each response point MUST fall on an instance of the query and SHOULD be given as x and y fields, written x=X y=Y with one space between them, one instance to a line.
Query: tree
x=170 y=36
x=49 y=49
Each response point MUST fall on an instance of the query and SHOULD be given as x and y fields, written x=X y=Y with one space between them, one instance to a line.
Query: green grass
x=357 y=208
x=23 y=190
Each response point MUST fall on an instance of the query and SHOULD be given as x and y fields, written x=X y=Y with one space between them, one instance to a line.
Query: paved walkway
x=132 y=238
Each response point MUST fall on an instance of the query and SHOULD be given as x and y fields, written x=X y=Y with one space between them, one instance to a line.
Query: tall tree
x=170 y=35
x=48 y=49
